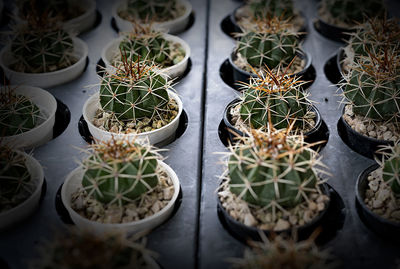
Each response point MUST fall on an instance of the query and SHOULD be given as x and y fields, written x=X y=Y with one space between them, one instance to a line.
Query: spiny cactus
x=351 y=11
x=81 y=249
x=18 y=114
x=135 y=91
x=271 y=8
x=274 y=170
x=390 y=165
x=119 y=171
x=157 y=10
x=277 y=98
x=372 y=86
x=272 y=44
x=41 y=45
x=15 y=181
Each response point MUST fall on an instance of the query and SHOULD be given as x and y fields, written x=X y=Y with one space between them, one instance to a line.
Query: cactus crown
x=120 y=171
x=390 y=164
x=15 y=181
x=273 y=170
x=18 y=114
x=135 y=91
x=271 y=42
x=271 y=8
x=372 y=86
x=158 y=10
x=276 y=98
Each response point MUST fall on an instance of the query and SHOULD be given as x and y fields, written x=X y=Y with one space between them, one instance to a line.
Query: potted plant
x=27 y=116
x=274 y=100
x=270 y=44
x=75 y=16
x=42 y=54
x=272 y=183
x=336 y=18
x=83 y=249
x=378 y=192
x=136 y=100
x=169 y=52
x=122 y=184
x=21 y=186
x=172 y=16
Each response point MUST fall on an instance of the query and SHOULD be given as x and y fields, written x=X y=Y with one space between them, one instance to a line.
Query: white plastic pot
x=26 y=208
x=172 y=26
x=74 y=181
x=42 y=133
x=111 y=51
x=48 y=79
x=93 y=104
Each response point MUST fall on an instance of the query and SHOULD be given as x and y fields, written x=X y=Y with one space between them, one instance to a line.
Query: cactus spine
x=274 y=98
x=390 y=165
x=157 y=10
x=118 y=171
x=271 y=8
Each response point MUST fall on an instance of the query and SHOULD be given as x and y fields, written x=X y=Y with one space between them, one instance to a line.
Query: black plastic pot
x=333 y=68
x=244 y=233
x=319 y=133
x=378 y=224
x=331 y=31
x=361 y=144
x=307 y=74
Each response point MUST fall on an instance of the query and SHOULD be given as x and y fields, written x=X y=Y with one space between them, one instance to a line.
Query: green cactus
x=391 y=166
x=372 y=86
x=118 y=171
x=272 y=8
x=278 y=99
x=134 y=91
x=154 y=10
x=17 y=113
x=351 y=11
x=15 y=180
x=272 y=44
x=273 y=169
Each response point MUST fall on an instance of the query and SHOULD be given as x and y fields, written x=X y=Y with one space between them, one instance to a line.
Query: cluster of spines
x=61 y=9
x=120 y=171
x=390 y=164
x=271 y=8
x=158 y=10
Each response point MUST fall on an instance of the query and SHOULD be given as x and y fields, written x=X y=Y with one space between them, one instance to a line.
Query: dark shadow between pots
x=4 y=264
x=63 y=118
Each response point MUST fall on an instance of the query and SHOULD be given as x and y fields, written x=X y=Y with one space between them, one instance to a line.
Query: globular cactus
x=273 y=170
x=18 y=114
x=41 y=45
x=390 y=165
x=119 y=171
x=272 y=44
x=352 y=11
x=271 y=8
x=275 y=98
x=157 y=10
x=135 y=91
x=62 y=9
x=372 y=85
x=15 y=181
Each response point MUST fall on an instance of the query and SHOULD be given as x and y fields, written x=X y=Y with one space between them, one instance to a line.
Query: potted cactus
x=336 y=18
x=27 y=116
x=121 y=184
x=271 y=43
x=42 y=54
x=272 y=183
x=172 y=16
x=277 y=100
x=170 y=53
x=21 y=178
x=82 y=249
x=136 y=100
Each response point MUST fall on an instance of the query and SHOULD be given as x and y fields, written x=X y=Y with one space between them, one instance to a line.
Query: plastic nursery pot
x=316 y=134
x=74 y=181
x=162 y=134
x=244 y=232
x=330 y=31
x=43 y=132
x=48 y=79
x=25 y=209
x=361 y=144
x=240 y=75
x=111 y=51
x=173 y=26
x=378 y=224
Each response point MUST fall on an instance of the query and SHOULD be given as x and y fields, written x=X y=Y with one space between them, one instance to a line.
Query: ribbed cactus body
x=271 y=8
x=391 y=169
x=62 y=9
x=119 y=172
x=157 y=10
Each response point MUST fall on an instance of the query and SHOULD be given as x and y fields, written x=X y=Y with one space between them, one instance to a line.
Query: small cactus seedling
x=41 y=45
x=157 y=10
x=271 y=44
x=15 y=181
x=271 y=8
x=390 y=165
x=372 y=86
x=274 y=170
x=18 y=114
x=119 y=171
x=277 y=98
